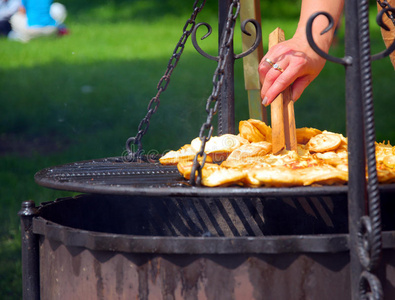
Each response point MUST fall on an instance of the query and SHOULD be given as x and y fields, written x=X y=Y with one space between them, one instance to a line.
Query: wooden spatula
x=282 y=110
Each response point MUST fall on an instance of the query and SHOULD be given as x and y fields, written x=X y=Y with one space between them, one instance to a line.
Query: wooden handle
x=250 y=9
x=289 y=121
x=276 y=36
x=282 y=110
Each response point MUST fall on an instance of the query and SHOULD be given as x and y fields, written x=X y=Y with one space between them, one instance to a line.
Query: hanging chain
x=162 y=85
x=384 y=4
x=212 y=104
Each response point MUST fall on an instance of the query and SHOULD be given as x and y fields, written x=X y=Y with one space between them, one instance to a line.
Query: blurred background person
x=36 y=18
x=7 y=9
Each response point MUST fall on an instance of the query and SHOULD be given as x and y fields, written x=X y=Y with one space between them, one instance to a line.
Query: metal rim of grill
x=115 y=176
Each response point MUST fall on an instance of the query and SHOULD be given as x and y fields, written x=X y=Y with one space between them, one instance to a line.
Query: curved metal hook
x=310 y=39
x=370 y=286
x=195 y=44
x=255 y=45
x=258 y=37
x=380 y=22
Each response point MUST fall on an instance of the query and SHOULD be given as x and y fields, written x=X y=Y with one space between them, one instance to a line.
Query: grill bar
x=115 y=176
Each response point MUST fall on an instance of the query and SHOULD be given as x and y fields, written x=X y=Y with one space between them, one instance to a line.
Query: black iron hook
x=258 y=38
x=343 y=61
x=380 y=22
x=195 y=43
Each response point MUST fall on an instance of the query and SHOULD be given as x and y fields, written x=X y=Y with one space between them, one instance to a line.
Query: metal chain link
x=212 y=103
x=162 y=85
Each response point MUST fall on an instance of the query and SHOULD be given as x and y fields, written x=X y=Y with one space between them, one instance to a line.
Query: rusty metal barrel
x=96 y=246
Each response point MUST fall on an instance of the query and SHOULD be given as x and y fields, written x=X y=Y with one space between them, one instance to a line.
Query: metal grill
x=143 y=198
x=119 y=177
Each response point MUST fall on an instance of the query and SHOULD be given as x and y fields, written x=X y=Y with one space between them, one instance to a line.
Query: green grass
x=81 y=96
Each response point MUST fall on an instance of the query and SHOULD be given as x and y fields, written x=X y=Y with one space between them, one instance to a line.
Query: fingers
x=274 y=80
x=264 y=67
x=274 y=84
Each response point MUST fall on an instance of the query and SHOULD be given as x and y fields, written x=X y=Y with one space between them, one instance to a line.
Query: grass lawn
x=81 y=96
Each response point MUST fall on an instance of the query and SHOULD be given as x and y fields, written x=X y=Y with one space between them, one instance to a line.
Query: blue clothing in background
x=37 y=12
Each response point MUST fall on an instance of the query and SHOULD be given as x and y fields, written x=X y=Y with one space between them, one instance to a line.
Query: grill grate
x=118 y=177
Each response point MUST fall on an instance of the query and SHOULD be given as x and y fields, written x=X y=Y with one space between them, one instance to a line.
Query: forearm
x=309 y=7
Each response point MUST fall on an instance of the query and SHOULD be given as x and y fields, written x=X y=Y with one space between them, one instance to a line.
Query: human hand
x=300 y=64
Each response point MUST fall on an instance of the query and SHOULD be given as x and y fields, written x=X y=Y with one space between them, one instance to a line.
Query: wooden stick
x=282 y=110
x=289 y=121
x=251 y=10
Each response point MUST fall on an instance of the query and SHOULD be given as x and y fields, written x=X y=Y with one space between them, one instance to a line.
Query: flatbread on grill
x=250 y=150
x=185 y=169
x=219 y=147
x=185 y=153
x=385 y=174
x=247 y=159
x=278 y=176
x=264 y=129
x=324 y=142
x=323 y=175
x=224 y=177
x=384 y=150
x=250 y=132
x=303 y=135
x=389 y=161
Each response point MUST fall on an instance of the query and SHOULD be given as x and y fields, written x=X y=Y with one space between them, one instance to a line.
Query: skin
x=300 y=63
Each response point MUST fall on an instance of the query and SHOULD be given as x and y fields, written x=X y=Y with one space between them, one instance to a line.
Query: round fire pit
x=197 y=245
